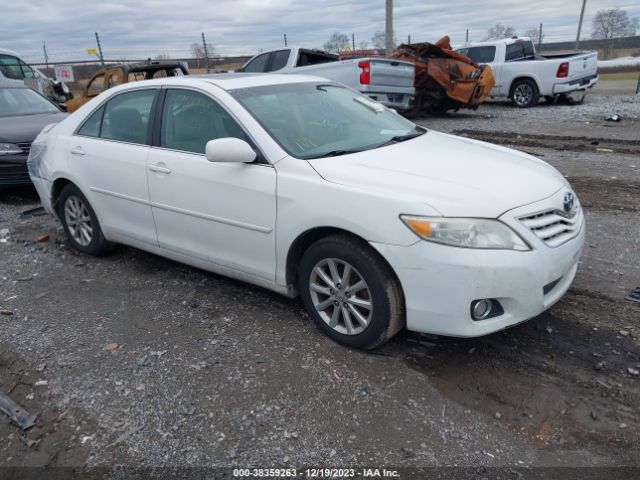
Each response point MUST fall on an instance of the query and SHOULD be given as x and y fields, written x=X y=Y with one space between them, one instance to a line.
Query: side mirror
x=229 y=150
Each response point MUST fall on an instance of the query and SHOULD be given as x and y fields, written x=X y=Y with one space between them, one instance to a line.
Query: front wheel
x=524 y=93
x=350 y=292
x=80 y=222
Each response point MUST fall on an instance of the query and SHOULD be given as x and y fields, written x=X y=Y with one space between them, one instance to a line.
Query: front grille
x=25 y=146
x=554 y=227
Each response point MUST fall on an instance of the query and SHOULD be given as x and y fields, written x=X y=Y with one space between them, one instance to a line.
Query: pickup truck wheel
x=524 y=93
x=351 y=294
x=81 y=223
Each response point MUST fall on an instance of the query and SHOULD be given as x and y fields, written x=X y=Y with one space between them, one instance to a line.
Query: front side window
x=258 y=64
x=10 y=67
x=190 y=119
x=126 y=117
x=480 y=54
x=95 y=86
x=311 y=120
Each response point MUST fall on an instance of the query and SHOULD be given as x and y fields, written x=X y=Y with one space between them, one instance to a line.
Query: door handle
x=77 y=151
x=159 y=169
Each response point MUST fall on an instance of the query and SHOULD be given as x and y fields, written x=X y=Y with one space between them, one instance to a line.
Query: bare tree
x=534 y=35
x=379 y=41
x=162 y=56
x=363 y=45
x=500 y=31
x=613 y=23
x=337 y=42
x=197 y=51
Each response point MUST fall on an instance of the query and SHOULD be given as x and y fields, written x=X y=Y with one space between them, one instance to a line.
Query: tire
x=85 y=235
x=524 y=93
x=381 y=291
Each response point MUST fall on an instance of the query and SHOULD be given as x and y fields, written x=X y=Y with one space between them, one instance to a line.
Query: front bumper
x=13 y=170
x=575 y=85
x=440 y=282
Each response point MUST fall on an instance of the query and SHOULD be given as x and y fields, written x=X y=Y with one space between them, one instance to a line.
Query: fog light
x=485 y=308
x=480 y=309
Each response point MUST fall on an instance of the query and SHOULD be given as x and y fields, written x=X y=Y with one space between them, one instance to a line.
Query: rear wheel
x=524 y=93
x=350 y=292
x=80 y=222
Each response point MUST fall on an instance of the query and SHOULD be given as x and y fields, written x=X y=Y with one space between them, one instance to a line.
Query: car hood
x=455 y=176
x=25 y=128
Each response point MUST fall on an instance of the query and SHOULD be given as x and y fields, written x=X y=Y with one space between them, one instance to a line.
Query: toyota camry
x=303 y=186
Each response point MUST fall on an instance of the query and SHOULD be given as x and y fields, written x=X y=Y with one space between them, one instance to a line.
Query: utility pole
x=408 y=39
x=353 y=42
x=46 y=57
x=540 y=39
x=206 y=54
x=584 y=4
x=285 y=39
x=467 y=37
x=389 y=29
x=99 y=49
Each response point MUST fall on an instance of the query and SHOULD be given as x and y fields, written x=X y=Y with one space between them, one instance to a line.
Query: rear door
x=108 y=157
x=223 y=213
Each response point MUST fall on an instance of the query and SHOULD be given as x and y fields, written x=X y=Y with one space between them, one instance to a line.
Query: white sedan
x=303 y=186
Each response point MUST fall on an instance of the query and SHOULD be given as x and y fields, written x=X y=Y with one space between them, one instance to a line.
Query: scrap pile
x=445 y=79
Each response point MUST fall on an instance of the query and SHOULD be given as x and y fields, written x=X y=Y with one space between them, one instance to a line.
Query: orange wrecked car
x=117 y=74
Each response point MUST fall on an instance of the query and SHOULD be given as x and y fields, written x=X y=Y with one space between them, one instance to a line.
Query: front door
x=223 y=213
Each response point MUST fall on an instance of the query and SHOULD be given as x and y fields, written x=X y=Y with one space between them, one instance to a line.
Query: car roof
x=226 y=81
x=8 y=52
x=506 y=41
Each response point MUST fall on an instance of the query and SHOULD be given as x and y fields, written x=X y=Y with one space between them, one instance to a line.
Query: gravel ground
x=132 y=359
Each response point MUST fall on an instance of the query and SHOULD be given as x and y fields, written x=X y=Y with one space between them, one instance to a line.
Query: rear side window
x=480 y=54
x=124 y=118
x=311 y=58
x=190 y=119
x=258 y=64
x=91 y=126
x=519 y=51
x=279 y=60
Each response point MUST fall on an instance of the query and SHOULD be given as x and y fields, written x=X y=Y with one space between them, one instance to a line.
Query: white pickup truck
x=524 y=76
x=390 y=82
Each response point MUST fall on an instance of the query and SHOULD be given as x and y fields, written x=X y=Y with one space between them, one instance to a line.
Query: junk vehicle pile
x=445 y=79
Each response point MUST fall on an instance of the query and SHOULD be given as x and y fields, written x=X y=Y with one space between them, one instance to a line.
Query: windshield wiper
x=333 y=153
x=402 y=138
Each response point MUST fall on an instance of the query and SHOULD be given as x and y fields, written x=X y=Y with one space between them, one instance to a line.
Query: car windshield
x=23 y=101
x=314 y=120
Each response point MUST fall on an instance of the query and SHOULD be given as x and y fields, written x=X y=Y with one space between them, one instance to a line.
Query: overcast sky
x=146 y=28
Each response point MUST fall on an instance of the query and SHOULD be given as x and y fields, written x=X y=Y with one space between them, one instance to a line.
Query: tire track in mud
x=555 y=142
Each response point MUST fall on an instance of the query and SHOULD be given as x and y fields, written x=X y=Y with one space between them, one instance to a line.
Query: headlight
x=466 y=232
x=9 y=149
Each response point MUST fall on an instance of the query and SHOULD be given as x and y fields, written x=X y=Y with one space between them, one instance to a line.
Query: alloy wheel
x=78 y=220
x=523 y=94
x=341 y=296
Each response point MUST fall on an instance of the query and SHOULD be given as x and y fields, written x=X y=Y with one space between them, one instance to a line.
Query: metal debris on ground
x=33 y=212
x=634 y=296
x=16 y=413
x=613 y=118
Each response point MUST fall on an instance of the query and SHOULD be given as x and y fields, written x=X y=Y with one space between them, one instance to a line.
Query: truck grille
x=554 y=227
x=25 y=146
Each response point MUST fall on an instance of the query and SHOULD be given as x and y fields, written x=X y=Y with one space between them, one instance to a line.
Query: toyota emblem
x=568 y=202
